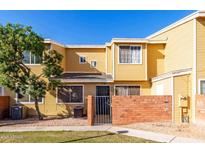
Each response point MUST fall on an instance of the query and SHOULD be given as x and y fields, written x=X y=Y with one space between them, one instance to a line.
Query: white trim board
x=171 y=74
x=53 y=42
x=85 y=46
x=114 y=40
x=87 y=81
x=194 y=90
x=137 y=40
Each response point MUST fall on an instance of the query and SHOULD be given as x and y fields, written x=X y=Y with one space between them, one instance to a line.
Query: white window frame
x=81 y=56
x=2 y=92
x=199 y=85
x=130 y=47
x=91 y=63
x=28 y=102
x=71 y=103
x=127 y=85
x=30 y=60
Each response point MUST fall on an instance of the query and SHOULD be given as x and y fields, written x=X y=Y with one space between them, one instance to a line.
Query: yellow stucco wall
x=200 y=23
x=62 y=51
x=72 y=59
x=129 y=72
x=179 y=47
x=182 y=86
x=165 y=84
x=155 y=59
x=50 y=106
x=109 y=60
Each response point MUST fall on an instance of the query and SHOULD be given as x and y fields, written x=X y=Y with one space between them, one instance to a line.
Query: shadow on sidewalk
x=81 y=139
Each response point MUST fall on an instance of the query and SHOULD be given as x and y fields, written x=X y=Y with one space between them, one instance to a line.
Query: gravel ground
x=46 y=122
x=182 y=130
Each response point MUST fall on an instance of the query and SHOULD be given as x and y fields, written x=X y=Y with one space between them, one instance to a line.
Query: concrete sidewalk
x=159 y=137
x=125 y=131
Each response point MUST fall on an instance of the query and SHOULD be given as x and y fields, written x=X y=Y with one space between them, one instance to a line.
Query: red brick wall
x=4 y=106
x=90 y=110
x=200 y=109
x=131 y=109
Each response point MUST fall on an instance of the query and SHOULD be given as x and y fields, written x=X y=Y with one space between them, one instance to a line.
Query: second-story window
x=93 y=64
x=30 y=58
x=130 y=55
x=82 y=60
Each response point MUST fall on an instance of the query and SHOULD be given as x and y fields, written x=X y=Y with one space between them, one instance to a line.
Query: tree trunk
x=40 y=117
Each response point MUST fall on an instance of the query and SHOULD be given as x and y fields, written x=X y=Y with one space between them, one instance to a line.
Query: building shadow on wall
x=79 y=71
x=155 y=59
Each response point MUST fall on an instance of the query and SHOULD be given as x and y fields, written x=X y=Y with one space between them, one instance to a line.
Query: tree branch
x=24 y=68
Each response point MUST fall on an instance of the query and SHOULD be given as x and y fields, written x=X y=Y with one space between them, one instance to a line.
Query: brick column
x=90 y=110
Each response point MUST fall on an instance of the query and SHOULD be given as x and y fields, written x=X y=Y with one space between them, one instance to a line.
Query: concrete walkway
x=154 y=136
x=125 y=131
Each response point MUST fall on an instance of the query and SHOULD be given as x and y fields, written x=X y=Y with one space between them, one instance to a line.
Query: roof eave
x=85 y=46
x=129 y=40
x=53 y=42
x=177 y=23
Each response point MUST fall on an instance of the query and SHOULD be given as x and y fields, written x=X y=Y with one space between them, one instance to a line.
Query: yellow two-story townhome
x=168 y=62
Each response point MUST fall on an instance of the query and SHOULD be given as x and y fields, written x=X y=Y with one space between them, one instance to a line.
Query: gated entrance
x=102 y=105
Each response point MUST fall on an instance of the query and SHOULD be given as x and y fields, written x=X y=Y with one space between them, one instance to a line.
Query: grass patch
x=68 y=137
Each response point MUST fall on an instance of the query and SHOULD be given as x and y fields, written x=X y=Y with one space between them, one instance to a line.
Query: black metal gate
x=103 y=107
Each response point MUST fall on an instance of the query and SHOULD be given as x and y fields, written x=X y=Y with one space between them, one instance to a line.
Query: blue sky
x=93 y=27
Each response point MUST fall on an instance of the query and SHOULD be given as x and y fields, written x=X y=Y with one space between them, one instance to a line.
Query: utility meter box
x=183 y=101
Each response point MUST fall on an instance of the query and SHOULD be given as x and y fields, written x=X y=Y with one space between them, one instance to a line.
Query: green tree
x=15 y=41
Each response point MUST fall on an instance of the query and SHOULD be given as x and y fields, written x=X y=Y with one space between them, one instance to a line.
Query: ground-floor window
x=1 y=91
x=70 y=94
x=202 y=87
x=127 y=90
x=24 y=98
